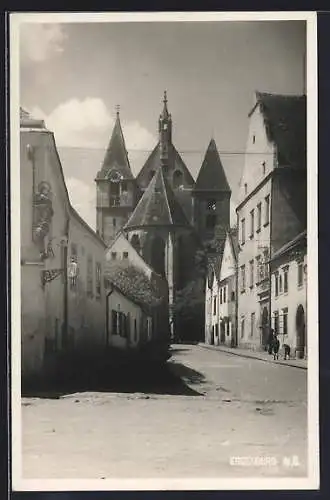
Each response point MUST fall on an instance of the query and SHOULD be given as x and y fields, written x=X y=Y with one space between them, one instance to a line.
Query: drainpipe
x=65 y=294
x=107 y=316
x=236 y=284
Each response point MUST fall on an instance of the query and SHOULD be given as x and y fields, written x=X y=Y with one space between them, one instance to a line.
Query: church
x=165 y=214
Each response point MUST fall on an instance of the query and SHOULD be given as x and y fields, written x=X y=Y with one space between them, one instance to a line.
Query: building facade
x=272 y=205
x=289 y=295
x=62 y=296
x=220 y=297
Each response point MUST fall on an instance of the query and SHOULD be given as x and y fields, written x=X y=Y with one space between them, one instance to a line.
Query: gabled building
x=272 y=206
x=220 y=297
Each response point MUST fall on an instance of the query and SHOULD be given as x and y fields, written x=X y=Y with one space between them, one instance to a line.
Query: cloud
x=83 y=198
x=39 y=42
x=87 y=124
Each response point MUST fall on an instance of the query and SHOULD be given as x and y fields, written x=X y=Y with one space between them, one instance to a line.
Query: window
x=300 y=274
x=276 y=323
x=280 y=284
x=90 y=276
x=98 y=279
x=253 y=319
x=113 y=255
x=214 y=306
x=242 y=328
x=267 y=207
x=242 y=278
x=177 y=179
x=258 y=268
x=224 y=294
x=285 y=321
x=285 y=279
x=251 y=223
x=74 y=252
x=258 y=217
x=119 y=323
x=211 y=205
x=266 y=263
x=114 y=222
x=251 y=273
x=245 y=188
x=253 y=139
x=243 y=231
x=232 y=296
x=125 y=255
x=220 y=295
x=211 y=221
x=263 y=168
x=135 y=330
x=124 y=186
x=276 y=284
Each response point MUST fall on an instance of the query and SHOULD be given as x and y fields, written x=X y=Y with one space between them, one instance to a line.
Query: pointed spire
x=212 y=176
x=158 y=206
x=116 y=157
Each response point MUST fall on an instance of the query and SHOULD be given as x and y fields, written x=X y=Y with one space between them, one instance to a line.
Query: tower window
x=253 y=139
x=245 y=188
x=263 y=168
x=177 y=178
x=124 y=186
x=211 y=220
x=165 y=126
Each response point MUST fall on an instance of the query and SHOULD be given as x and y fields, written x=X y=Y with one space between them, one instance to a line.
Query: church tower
x=212 y=198
x=165 y=134
x=115 y=187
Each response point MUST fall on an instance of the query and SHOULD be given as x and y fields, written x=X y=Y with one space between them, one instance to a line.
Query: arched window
x=135 y=242
x=177 y=178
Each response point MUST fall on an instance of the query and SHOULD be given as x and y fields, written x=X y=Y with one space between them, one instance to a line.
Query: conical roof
x=212 y=176
x=116 y=158
x=158 y=206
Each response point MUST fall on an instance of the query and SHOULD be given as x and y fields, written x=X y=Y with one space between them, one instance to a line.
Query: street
x=212 y=415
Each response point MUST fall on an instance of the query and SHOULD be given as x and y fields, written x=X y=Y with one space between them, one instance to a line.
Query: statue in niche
x=43 y=213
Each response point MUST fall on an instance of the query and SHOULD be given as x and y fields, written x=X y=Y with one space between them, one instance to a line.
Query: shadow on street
x=172 y=379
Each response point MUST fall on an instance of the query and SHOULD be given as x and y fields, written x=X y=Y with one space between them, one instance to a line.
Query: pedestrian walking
x=276 y=346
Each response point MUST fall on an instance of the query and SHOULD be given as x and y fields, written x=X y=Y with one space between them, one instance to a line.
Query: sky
x=74 y=75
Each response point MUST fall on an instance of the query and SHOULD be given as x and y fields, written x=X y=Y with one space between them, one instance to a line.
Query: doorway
x=300 y=331
x=264 y=328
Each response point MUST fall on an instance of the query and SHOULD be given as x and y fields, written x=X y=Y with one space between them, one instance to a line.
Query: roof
x=28 y=121
x=133 y=283
x=212 y=176
x=153 y=162
x=285 y=121
x=116 y=157
x=301 y=238
x=158 y=206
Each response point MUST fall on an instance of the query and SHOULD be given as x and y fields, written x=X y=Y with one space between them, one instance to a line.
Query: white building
x=272 y=205
x=289 y=294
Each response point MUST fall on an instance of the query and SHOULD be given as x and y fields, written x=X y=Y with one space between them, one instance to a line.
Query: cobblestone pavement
x=212 y=415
